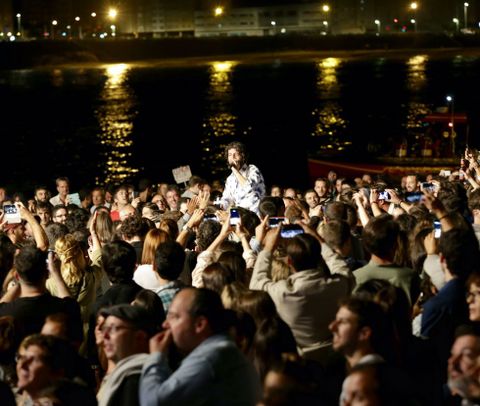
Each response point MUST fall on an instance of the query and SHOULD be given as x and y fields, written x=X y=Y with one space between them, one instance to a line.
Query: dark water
x=111 y=123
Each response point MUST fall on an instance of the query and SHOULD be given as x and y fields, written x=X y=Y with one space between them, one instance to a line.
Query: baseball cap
x=137 y=316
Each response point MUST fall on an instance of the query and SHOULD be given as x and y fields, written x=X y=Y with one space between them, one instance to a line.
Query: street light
x=414 y=7
x=450 y=100
x=379 y=25
x=326 y=10
x=113 y=28
x=456 y=21
x=465 y=11
x=218 y=11
x=77 y=19
x=19 y=23
x=54 y=25
x=112 y=13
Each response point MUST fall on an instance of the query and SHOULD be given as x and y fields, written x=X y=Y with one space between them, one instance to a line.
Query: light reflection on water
x=219 y=124
x=329 y=121
x=57 y=78
x=115 y=115
x=416 y=82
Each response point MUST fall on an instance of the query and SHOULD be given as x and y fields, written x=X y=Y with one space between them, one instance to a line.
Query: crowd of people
x=354 y=292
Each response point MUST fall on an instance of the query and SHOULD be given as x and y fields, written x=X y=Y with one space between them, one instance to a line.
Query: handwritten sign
x=182 y=174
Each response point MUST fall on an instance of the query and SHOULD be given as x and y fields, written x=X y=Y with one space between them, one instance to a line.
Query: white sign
x=182 y=174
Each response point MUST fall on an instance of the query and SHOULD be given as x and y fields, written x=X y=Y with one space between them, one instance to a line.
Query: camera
x=437 y=226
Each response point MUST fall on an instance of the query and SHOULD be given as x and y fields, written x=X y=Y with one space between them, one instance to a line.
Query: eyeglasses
x=113 y=329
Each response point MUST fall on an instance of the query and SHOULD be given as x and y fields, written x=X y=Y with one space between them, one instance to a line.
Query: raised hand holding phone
x=11 y=214
x=234 y=217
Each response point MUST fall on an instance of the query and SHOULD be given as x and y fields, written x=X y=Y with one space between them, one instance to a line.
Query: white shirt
x=146 y=277
x=248 y=195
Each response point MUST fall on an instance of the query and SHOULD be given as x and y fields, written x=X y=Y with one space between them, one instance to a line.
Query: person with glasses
x=126 y=332
x=41 y=361
x=59 y=214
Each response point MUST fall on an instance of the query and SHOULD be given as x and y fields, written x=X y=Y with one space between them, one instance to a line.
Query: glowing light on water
x=416 y=81
x=329 y=124
x=220 y=124
x=115 y=116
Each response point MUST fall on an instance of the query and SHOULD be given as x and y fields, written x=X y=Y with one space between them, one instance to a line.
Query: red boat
x=437 y=152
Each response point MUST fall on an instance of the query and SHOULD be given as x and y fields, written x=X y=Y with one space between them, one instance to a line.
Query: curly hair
x=239 y=147
x=207 y=232
x=133 y=226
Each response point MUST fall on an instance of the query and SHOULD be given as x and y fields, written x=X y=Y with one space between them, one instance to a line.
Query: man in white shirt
x=245 y=186
x=63 y=188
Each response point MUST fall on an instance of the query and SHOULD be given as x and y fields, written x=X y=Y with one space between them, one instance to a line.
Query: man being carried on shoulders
x=245 y=186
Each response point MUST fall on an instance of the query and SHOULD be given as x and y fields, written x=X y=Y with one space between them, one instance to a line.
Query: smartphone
x=429 y=187
x=12 y=215
x=234 y=217
x=384 y=196
x=275 y=221
x=437 y=226
x=414 y=198
x=291 y=230
x=212 y=217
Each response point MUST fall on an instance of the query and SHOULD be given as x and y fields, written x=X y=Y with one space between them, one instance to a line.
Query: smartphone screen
x=234 y=217
x=12 y=215
x=384 y=196
x=429 y=187
x=275 y=221
x=414 y=198
x=211 y=217
x=437 y=226
x=291 y=230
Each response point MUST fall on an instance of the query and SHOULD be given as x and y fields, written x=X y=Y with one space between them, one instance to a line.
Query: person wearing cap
x=213 y=372
x=126 y=331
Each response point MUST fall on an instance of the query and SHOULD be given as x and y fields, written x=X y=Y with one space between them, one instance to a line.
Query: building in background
x=180 y=18
x=7 y=23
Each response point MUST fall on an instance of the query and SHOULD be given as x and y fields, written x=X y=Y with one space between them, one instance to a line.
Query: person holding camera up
x=245 y=186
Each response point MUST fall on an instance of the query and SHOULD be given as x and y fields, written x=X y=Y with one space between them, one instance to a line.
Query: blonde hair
x=73 y=262
x=280 y=270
